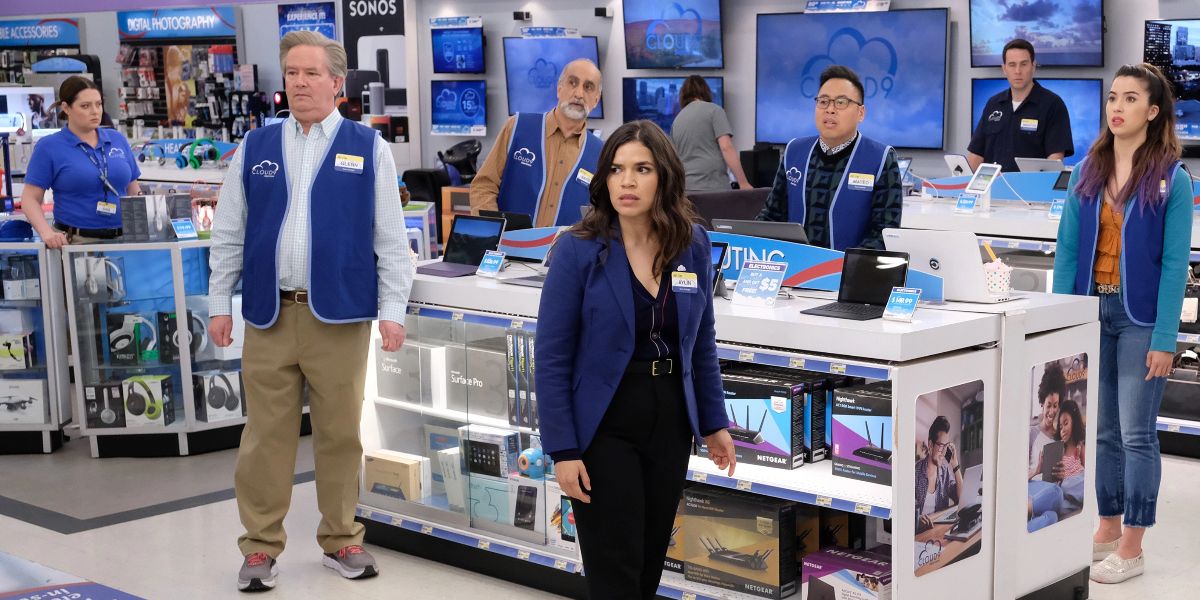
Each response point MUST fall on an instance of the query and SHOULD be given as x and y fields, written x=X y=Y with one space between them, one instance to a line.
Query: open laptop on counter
x=951 y=255
x=868 y=277
x=470 y=238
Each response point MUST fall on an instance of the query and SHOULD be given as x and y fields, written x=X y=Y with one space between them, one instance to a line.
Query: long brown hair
x=1152 y=160
x=694 y=88
x=672 y=214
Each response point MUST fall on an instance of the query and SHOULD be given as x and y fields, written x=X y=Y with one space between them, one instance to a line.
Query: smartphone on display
x=526 y=510
x=568 y=519
x=949 y=453
x=1052 y=453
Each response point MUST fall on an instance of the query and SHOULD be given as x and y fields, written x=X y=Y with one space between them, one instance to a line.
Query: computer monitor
x=1075 y=28
x=513 y=221
x=669 y=34
x=657 y=98
x=1172 y=47
x=471 y=237
x=457 y=49
x=459 y=107
x=868 y=276
x=773 y=230
x=532 y=67
x=1085 y=97
x=1064 y=177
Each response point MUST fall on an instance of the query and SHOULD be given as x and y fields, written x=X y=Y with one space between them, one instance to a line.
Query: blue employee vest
x=343 y=283
x=524 y=177
x=850 y=211
x=1141 y=251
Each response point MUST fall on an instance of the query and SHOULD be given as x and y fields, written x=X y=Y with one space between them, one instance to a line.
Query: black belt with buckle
x=103 y=234
x=654 y=368
x=297 y=296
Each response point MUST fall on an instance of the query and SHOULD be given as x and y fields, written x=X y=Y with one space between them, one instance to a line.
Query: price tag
x=796 y=363
x=484 y=544
x=746 y=356
x=427 y=529
x=698 y=476
x=966 y=203
x=493 y=261
x=758 y=283
x=743 y=485
x=862 y=509
x=901 y=304
x=518 y=324
x=1172 y=428
x=414 y=310
x=1056 y=209
x=825 y=501
x=456 y=316
x=397 y=522
x=688 y=596
x=523 y=555
x=837 y=368
x=560 y=564
x=184 y=229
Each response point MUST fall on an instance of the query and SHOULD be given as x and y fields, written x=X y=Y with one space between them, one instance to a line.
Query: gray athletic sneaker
x=352 y=562
x=258 y=573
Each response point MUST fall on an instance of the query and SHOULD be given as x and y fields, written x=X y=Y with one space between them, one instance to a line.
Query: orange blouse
x=1108 y=248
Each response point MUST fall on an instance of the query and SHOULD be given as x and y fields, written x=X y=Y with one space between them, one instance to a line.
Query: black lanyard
x=101 y=165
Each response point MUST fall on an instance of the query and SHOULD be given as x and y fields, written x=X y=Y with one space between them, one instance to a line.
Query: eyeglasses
x=841 y=102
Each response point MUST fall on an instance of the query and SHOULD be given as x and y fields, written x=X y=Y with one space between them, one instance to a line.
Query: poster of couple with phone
x=1057 y=441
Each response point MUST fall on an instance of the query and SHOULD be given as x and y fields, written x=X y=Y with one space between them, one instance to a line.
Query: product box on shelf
x=527 y=504
x=16 y=320
x=862 y=432
x=21 y=278
x=414 y=373
x=766 y=419
x=149 y=400
x=815 y=386
x=24 y=401
x=397 y=475
x=437 y=438
x=490 y=450
x=839 y=574
x=234 y=350
x=171 y=338
x=513 y=383
x=218 y=395
x=145 y=219
x=675 y=557
x=531 y=379
x=525 y=412
x=840 y=529
x=454 y=480
x=104 y=405
x=99 y=278
x=17 y=351
x=739 y=542
x=560 y=524
x=808 y=530
x=131 y=339
x=475 y=379
x=488 y=500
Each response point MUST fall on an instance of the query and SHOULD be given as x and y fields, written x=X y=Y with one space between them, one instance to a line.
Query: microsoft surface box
x=470 y=238
x=868 y=277
x=952 y=255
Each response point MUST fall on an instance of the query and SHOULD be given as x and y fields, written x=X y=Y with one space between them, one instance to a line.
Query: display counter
x=949 y=360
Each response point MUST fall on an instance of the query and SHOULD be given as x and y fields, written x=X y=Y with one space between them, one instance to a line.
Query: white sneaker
x=1115 y=569
x=1101 y=551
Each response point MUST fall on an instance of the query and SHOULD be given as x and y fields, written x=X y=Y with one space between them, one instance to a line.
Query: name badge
x=1162 y=187
x=861 y=181
x=1029 y=124
x=584 y=177
x=348 y=163
x=683 y=282
x=106 y=208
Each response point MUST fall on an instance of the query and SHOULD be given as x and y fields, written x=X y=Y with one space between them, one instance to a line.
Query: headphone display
x=114 y=280
x=194 y=161
x=139 y=404
x=108 y=416
x=120 y=339
x=221 y=393
x=195 y=335
x=147 y=151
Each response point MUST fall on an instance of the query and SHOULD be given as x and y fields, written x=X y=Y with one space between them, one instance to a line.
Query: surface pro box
x=739 y=542
x=397 y=475
x=863 y=433
x=24 y=401
x=415 y=373
x=838 y=574
x=475 y=379
x=766 y=418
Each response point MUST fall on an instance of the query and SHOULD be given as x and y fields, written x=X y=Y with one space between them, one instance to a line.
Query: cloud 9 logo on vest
x=265 y=168
x=525 y=157
x=794 y=176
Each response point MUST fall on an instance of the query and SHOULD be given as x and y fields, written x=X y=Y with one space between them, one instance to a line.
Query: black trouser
x=637 y=464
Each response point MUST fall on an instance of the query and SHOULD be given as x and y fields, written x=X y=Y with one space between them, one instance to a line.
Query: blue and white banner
x=311 y=16
x=177 y=23
x=807 y=266
x=39 y=32
x=759 y=283
x=529 y=244
x=171 y=148
x=816 y=6
x=454 y=22
x=549 y=32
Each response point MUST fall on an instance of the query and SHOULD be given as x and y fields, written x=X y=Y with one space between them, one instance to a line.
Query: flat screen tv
x=1064 y=33
x=657 y=98
x=672 y=34
x=532 y=67
x=1084 y=99
x=1174 y=47
x=899 y=55
x=459 y=107
x=457 y=50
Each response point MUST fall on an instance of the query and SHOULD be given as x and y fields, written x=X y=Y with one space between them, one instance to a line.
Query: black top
x=1038 y=128
x=656 y=321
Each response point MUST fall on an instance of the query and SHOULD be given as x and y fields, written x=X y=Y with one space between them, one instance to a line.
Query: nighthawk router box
x=674 y=560
x=816 y=388
x=840 y=574
x=863 y=433
x=739 y=542
x=766 y=418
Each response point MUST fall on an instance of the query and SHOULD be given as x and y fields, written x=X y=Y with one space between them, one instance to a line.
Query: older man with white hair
x=307 y=220
x=542 y=164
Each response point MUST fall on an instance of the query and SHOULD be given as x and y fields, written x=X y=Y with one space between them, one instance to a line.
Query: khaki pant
x=275 y=364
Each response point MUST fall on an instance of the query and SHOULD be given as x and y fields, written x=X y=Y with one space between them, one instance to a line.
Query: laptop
x=537 y=280
x=719 y=250
x=958 y=165
x=1039 y=165
x=470 y=238
x=952 y=255
x=971 y=495
x=772 y=230
x=868 y=277
x=513 y=221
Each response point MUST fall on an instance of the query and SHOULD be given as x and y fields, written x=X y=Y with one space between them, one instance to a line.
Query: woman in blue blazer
x=627 y=361
x=1125 y=236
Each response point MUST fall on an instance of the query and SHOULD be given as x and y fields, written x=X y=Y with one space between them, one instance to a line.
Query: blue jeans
x=1128 y=465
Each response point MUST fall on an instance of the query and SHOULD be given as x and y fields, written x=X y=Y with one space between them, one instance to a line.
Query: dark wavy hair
x=1078 y=428
x=1053 y=382
x=1152 y=161
x=672 y=214
x=694 y=88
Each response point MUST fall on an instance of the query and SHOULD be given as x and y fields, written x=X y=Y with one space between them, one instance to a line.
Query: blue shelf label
x=966 y=203
x=491 y=264
x=902 y=304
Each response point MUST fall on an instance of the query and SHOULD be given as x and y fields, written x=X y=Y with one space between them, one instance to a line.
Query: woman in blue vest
x=627 y=361
x=1125 y=236
x=89 y=169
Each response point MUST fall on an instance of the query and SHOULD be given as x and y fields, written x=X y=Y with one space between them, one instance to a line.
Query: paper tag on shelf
x=824 y=501
x=397 y=522
x=523 y=555
x=862 y=509
x=837 y=368
x=518 y=324
x=743 y=485
x=414 y=310
x=427 y=529
x=456 y=316
x=560 y=564
x=1172 y=428
x=688 y=596
x=484 y=544
x=796 y=363
x=698 y=476
x=746 y=356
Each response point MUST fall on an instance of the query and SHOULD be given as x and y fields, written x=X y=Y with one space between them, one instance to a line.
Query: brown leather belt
x=297 y=296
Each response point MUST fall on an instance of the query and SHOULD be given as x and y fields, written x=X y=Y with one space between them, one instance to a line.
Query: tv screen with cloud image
x=657 y=98
x=1084 y=99
x=1174 y=47
x=532 y=67
x=459 y=107
x=899 y=55
x=457 y=50
x=1064 y=33
x=671 y=34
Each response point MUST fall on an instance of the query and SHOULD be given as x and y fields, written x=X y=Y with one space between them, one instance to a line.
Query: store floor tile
x=69 y=491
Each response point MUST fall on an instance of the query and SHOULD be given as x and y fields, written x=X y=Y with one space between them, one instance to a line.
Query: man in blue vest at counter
x=307 y=220
x=541 y=164
x=843 y=186
x=1026 y=120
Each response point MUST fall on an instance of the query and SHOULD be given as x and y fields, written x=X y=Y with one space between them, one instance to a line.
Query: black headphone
x=223 y=395
x=137 y=403
x=196 y=337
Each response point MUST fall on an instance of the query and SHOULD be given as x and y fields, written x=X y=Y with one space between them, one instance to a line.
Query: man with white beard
x=542 y=164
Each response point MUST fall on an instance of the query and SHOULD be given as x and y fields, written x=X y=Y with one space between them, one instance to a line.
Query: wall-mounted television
x=657 y=98
x=532 y=67
x=457 y=50
x=899 y=55
x=1064 y=33
x=459 y=107
x=672 y=34
x=1174 y=47
x=1084 y=99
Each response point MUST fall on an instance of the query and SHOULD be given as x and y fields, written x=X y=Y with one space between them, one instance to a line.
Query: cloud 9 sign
x=206 y=22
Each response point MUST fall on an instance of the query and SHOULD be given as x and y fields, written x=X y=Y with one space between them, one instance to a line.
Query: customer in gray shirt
x=704 y=140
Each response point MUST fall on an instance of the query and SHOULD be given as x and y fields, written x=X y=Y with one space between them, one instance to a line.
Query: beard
x=572 y=112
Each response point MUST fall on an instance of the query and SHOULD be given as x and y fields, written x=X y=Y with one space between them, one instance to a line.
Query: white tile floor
x=192 y=554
